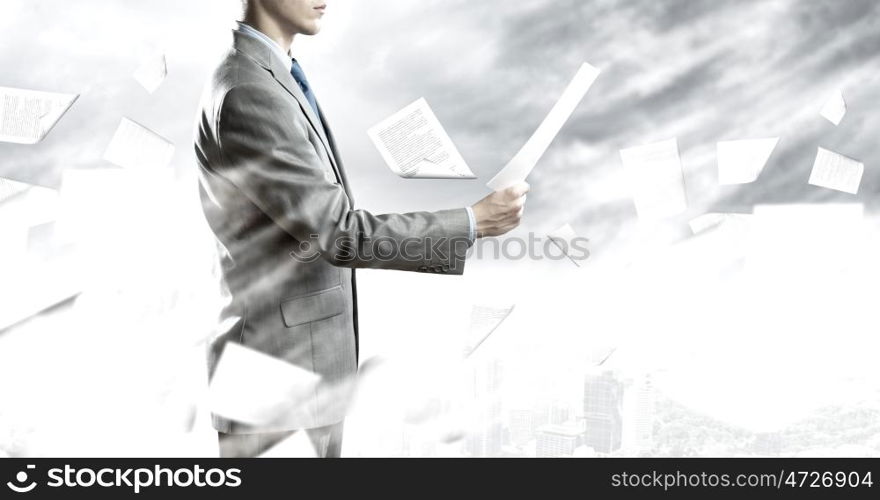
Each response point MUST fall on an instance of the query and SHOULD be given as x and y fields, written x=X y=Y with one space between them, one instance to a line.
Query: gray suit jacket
x=275 y=194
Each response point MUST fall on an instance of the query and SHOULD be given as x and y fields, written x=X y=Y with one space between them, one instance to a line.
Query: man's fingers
x=505 y=209
x=518 y=206
x=517 y=190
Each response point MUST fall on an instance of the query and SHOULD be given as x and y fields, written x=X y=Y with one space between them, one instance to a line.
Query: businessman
x=276 y=196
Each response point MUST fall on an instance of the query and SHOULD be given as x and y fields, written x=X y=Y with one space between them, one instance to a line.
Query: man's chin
x=312 y=29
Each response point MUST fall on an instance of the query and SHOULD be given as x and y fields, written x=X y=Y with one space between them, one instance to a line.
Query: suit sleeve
x=268 y=157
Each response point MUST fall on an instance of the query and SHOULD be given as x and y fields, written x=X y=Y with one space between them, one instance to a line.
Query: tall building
x=552 y=411
x=540 y=415
x=487 y=434
x=560 y=412
x=603 y=400
x=522 y=428
x=638 y=426
x=558 y=440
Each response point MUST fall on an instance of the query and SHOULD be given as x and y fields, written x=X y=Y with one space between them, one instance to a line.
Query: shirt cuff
x=472 y=230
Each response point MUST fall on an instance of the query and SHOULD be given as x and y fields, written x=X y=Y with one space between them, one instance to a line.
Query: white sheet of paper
x=26 y=116
x=255 y=388
x=562 y=238
x=835 y=171
x=297 y=445
x=38 y=270
x=519 y=168
x=415 y=146
x=656 y=180
x=741 y=162
x=713 y=220
x=152 y=72
x=834 y=108
x=484 y=321
x=10 y=188
x=26 y=205
x=35 y=287
x=135 y=146
x=15 y=245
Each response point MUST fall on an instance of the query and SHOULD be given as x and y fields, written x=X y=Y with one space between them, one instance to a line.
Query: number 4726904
x=828 y=479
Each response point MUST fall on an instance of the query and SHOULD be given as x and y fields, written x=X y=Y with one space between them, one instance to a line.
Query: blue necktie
x=297 y=72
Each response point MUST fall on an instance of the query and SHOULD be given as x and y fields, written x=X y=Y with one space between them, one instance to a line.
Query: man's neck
x=270 y=28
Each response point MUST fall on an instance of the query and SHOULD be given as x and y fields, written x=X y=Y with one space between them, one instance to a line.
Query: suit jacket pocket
x=314 y=306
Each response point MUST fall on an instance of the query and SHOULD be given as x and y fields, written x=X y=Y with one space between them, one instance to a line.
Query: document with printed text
x=414 y=145
x=835 y=171
x=135 y=146
x=26 y=116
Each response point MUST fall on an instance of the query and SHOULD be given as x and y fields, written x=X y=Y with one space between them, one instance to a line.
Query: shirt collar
x=256 y=34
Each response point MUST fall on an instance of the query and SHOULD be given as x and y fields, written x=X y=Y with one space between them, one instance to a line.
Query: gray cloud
x=701 y=71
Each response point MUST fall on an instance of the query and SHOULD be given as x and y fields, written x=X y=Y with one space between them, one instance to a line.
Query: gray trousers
x=327 y=442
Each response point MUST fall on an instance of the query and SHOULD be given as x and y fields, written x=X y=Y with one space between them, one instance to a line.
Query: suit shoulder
x=236 y=70
x=233 y=71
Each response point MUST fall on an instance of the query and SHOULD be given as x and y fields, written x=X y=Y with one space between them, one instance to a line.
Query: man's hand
x=501 y=211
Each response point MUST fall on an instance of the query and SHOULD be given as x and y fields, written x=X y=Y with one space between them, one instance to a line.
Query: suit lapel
x=335 y=155
x=286 y=80
x=264 y=56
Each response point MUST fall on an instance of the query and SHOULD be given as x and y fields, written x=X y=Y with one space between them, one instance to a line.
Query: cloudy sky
x=700 y=71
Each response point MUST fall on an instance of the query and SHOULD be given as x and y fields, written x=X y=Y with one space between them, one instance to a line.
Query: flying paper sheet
x=414 y=145
x=741 y=162
x=835 y=171
x=713 y=220
x=135 y=146
x=655 y=176
x=562 y=238
x=484 y=321
x=36 y=287
x=297 y=445
x=151 y=73
x=26 y=116
x=834 y=108
x=44 y=242
x=255 y=388
x=44 y=270
x=14 y=247
x=27 y=205
x=519 y=168
x=9 y=188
